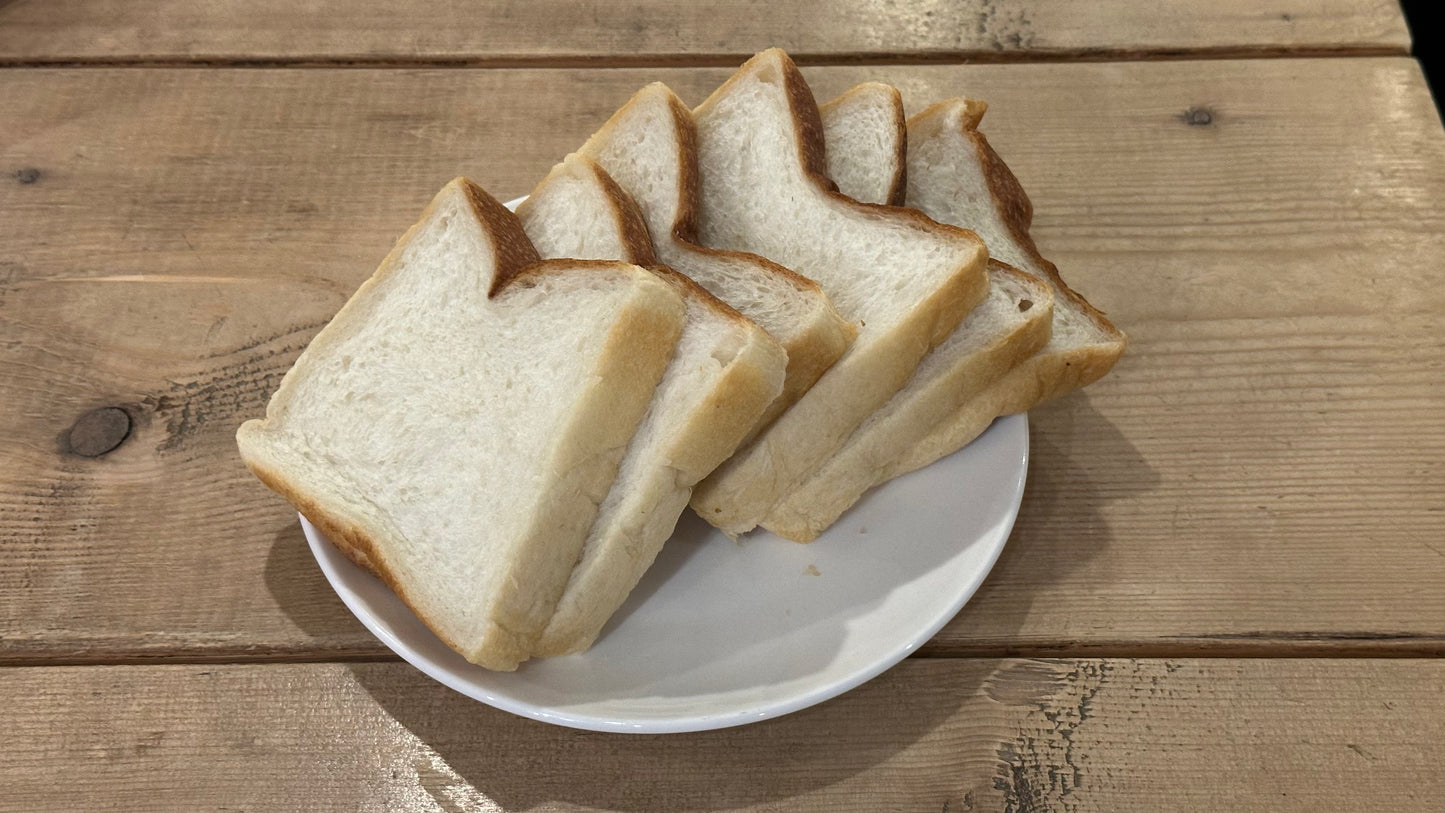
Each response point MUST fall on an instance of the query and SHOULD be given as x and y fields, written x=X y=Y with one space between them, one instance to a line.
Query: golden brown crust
x=1018 y=212
x=809 y=121
x=899 y=189
x=636 y=241
x=509 y=240
x=684 y=222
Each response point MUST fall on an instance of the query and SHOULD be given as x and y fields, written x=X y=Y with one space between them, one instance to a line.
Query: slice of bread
x=954 y=176
x=649 y=148
x=904 y=279
x=456 y=425
x=725 y=372
x=1009 y=326
x=867 y=143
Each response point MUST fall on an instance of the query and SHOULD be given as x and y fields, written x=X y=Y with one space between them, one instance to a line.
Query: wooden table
x=1226 y=589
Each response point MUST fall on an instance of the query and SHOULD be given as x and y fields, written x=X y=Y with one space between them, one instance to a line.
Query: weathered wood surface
x=661 y=32
x=1262 y=473
x=930 y=735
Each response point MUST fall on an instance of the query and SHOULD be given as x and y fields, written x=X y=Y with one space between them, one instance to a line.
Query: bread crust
x=636 y=240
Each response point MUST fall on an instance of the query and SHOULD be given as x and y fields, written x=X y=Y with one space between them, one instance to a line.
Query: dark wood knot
x=99 y=431
x=1025 y=304
x=1198 y=117
x=28 y=175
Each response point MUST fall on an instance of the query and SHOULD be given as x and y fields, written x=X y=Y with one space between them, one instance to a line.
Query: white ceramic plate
x=721 y=633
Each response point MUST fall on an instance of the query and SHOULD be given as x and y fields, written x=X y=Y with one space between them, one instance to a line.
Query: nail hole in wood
x=99 y=431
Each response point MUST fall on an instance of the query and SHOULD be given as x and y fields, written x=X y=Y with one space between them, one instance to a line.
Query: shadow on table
x=300 y=589
x=522 y=764
x=1061 y=524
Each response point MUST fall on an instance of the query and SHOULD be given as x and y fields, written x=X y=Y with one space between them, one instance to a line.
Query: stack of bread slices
x=699 y=306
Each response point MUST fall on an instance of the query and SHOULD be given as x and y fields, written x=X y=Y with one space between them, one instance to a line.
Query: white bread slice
x=954 y=176
x=725 y=372
x=455 y=426
x=905 y=280
x=649 y=148
x=867 y=142
x=1010 y=325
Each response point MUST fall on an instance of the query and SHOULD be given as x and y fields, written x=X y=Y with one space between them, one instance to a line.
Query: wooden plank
x=1261 y=474
x=956 y=735
x=658 y=32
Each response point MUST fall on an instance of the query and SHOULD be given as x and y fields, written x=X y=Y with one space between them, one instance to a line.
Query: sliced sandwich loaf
x=649 y=148
x=903 y=279
x=456 y=425
x=725 y=372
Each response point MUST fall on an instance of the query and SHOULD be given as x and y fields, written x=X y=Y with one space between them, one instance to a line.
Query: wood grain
x=955 y=735
x=1262 y=473
x=559 y=32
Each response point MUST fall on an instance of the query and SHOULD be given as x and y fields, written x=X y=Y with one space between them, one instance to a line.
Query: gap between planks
x=1295 y=645
x=722 y=60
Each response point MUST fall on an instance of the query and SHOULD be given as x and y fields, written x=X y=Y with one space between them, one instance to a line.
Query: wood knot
x=27 y=176
x=1198 y=117
x=1025 y=304
x=99 y=431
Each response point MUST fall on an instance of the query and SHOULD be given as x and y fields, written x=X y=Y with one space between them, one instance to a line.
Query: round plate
x=721 y=633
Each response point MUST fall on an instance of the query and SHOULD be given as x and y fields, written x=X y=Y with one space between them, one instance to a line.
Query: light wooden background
x=1226 y=589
